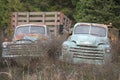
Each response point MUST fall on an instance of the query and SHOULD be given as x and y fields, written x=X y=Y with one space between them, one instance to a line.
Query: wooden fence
x=52 y=19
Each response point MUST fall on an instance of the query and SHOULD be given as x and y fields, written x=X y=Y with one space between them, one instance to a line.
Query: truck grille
x=23 y=49
x=87 y=52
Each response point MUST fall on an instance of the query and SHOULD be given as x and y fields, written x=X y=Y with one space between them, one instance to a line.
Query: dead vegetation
x=55 y=70
x=50 y=68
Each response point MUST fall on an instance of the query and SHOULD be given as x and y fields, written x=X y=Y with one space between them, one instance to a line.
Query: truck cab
x=28 y=40
x=89 y=43
x=32 y=32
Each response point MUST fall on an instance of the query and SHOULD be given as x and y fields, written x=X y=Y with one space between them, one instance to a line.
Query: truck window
x=81 y=30
x=37 y=30
x=98 y=31
x=30 y=30
x=92 y=30
x=22 y=30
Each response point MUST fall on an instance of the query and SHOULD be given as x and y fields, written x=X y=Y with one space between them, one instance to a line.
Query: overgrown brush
x=115 y=47
x=50 y=68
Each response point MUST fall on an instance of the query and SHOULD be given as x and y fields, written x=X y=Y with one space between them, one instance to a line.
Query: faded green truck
x=89 y=43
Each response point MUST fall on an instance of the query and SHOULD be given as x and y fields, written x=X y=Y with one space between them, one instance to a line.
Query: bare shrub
x=49 y=67
x=48 y=70
x=116 y=52
x=4 y=76
x=55 y=47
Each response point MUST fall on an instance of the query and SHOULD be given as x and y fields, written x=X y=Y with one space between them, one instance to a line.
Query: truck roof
x=31 y=24
x=94 y=24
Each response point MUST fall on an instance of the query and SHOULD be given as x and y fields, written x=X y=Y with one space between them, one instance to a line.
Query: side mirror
x=70 y=31
x=5 y=43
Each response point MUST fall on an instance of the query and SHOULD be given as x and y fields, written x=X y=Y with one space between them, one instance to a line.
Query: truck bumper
x=84 y=60
x=27 y=54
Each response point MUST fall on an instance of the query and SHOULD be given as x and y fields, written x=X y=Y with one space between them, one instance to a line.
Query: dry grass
x=50 y=68
x=56 y=70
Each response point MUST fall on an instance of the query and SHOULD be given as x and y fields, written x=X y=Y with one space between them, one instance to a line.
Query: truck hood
x=86 y=39
x=32 y=37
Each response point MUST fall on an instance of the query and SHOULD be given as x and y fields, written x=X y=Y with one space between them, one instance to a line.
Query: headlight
x=64 y=47
x=4 y=44
x=69 y=38
x=108 y=49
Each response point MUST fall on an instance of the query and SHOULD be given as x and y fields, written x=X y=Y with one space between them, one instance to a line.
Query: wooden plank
x=35 y=18
x=21 y=23
x=19 y=18
x=21 y=13
x=22 y=18
x=27 y=17
x=48 y=23
x=41 y=18
x=52 y=13
x=56 y=31
x=52 y=28
x=30 y=23
x=52 y=23
x=48 y=18
x=43 y=13
x=36 y=13
x=52 y=18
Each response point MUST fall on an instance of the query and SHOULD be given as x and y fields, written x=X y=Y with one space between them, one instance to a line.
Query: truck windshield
x=92 y=30
x=30 y=30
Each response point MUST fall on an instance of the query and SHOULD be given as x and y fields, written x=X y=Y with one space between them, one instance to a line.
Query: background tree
x=7 y=7
x=116 y=11
x=36 y=5
x=100 y=11
x=65 y=6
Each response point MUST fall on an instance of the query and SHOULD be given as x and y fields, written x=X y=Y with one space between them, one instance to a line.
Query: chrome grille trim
x=21 y=49
x=92 y=46
x=90 y=53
